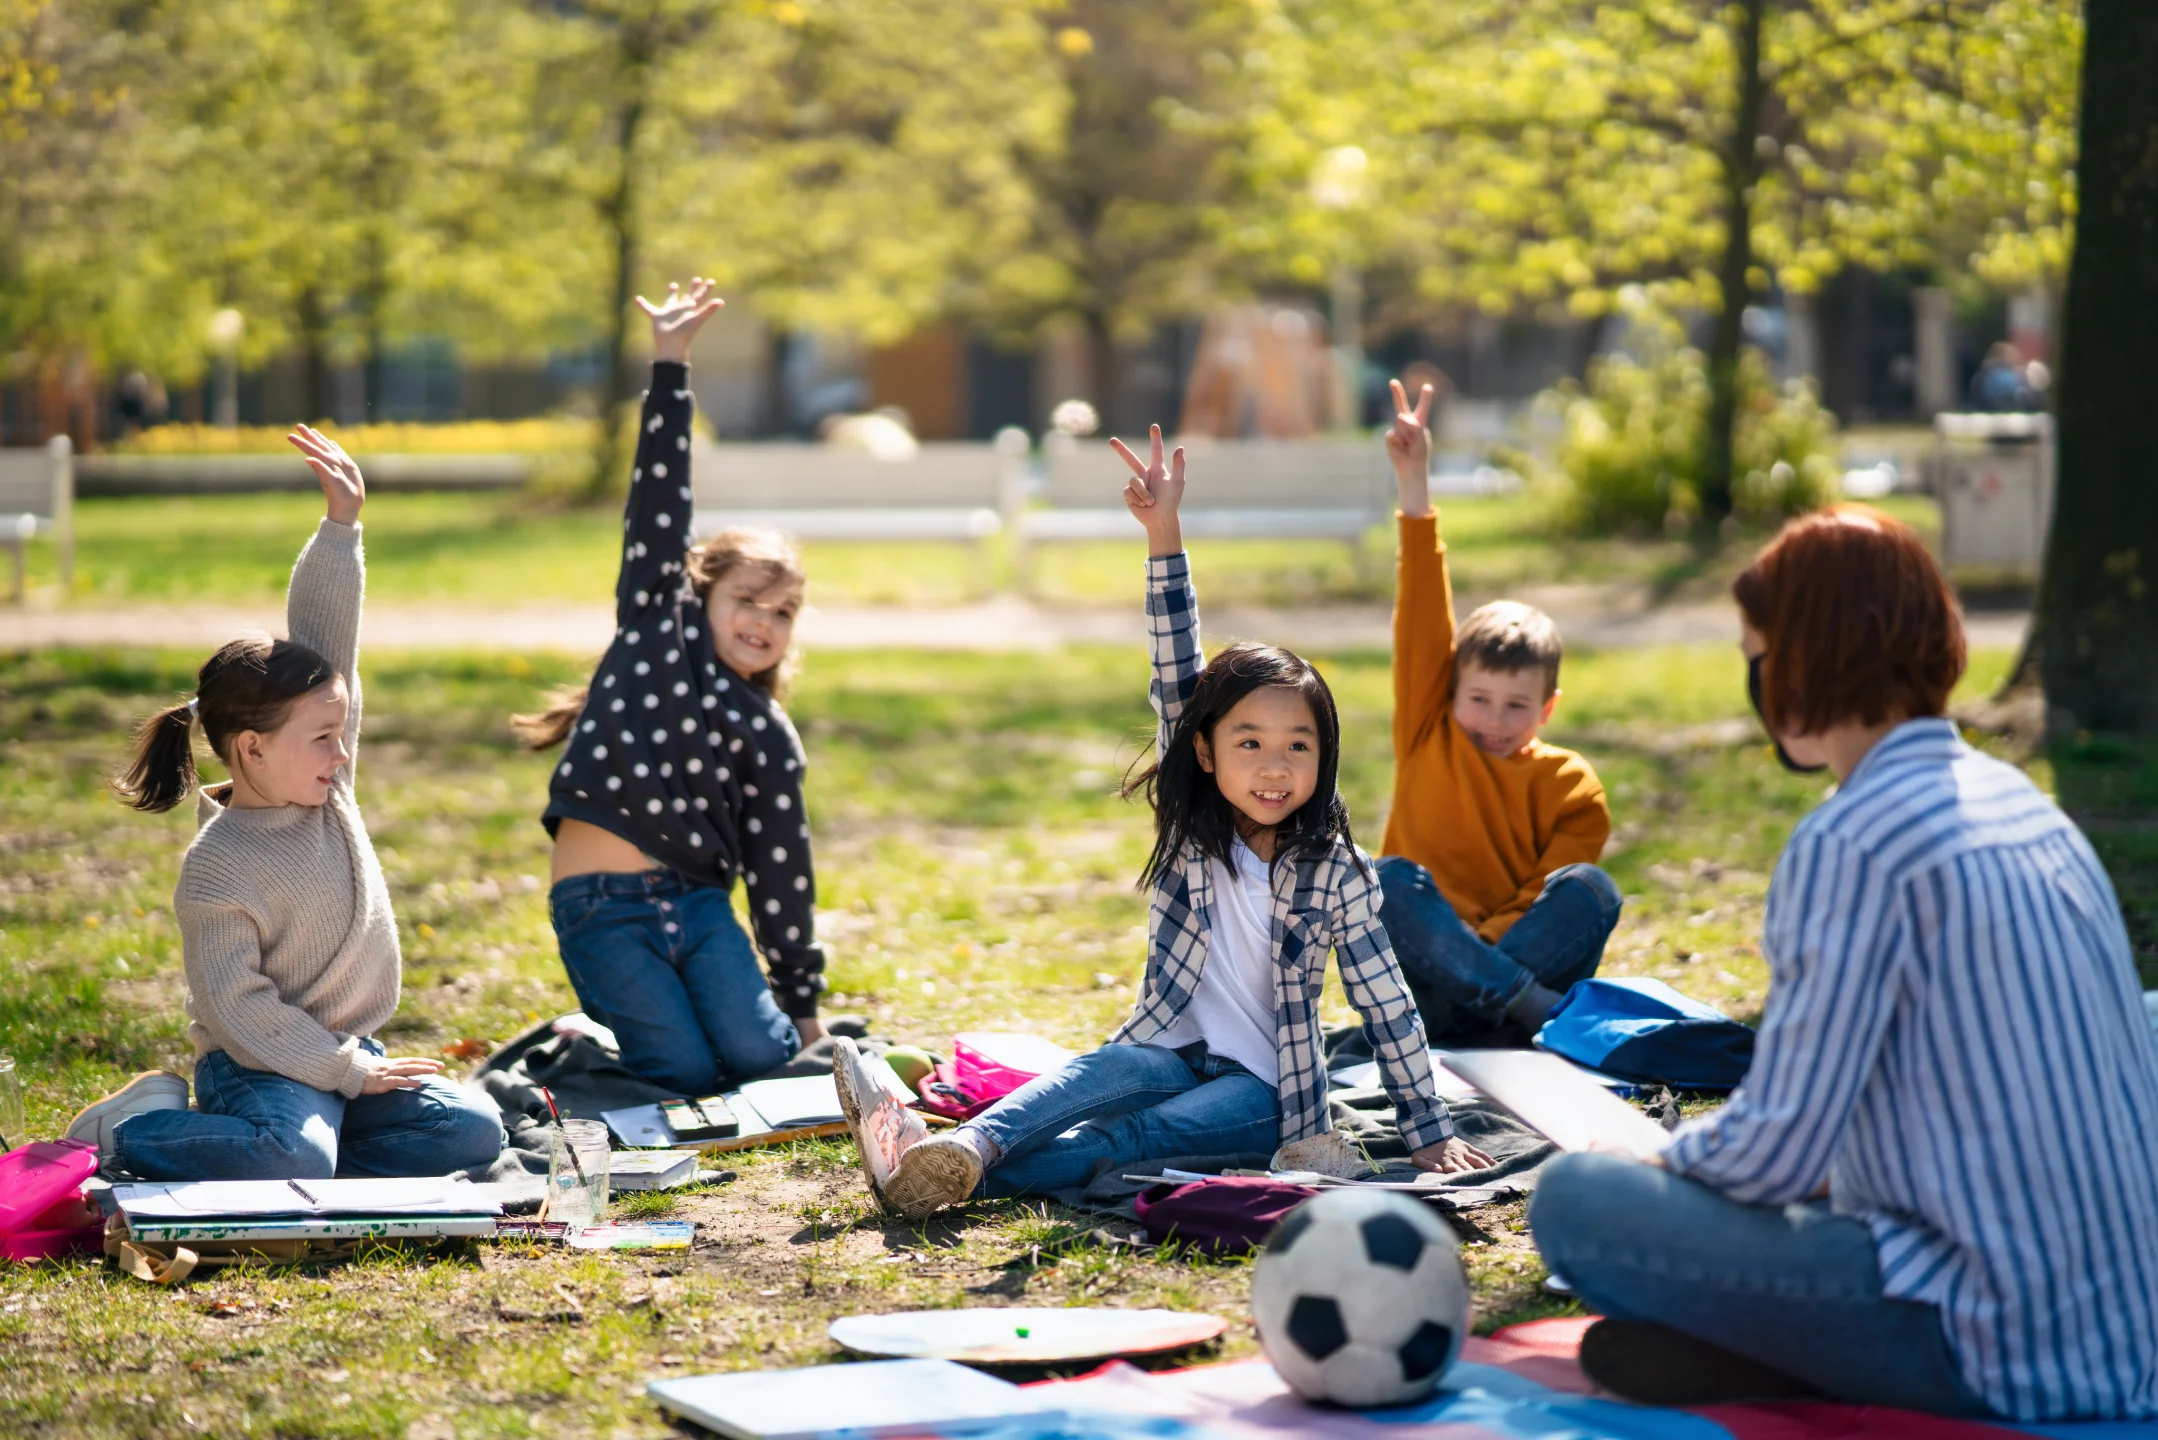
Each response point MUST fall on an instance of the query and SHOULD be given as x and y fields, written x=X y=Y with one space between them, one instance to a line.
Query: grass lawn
x=975 y=871
x=508 y=550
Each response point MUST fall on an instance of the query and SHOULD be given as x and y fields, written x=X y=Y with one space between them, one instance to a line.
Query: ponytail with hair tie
x=247 y=685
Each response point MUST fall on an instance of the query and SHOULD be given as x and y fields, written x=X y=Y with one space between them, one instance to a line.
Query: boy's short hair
x=1507 y=637
x=1859 y=621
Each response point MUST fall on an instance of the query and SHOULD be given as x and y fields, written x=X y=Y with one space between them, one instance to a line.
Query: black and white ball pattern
x=1360 y=1298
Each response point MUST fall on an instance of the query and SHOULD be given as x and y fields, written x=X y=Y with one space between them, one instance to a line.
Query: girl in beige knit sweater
x=287 y=936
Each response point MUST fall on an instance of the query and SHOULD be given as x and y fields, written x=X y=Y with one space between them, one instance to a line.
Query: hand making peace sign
x=1408 y=446
x=1154 y=494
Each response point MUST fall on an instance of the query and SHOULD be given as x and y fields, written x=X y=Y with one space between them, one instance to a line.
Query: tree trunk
x=1104 y=375
x=1741 y=172
x=372 y=297
x=2096 y=632
x=313 y=317
x=618 y=211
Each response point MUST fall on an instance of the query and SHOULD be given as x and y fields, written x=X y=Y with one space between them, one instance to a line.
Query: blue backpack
x=1644 y=1031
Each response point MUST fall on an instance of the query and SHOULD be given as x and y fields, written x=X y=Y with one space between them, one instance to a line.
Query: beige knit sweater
x=288 y=940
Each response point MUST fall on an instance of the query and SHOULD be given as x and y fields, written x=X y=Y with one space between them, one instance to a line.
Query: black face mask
x=1753 y=693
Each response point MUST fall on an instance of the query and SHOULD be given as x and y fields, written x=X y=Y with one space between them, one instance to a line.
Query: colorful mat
x=1523 y=1383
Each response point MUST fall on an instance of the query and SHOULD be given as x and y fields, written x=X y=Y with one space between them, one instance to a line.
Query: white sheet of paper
x=1562 y=1101
x=878 y=1397
x=791 y=1104
x=431 y=1195
x=639 y=1126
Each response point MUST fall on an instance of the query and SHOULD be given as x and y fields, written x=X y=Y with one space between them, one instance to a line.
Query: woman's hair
x=1860 y=623
x=1189 y=808
x=247 y=685
x=767 y=554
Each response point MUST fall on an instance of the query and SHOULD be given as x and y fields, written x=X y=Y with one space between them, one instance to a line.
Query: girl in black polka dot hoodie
x=682 y=773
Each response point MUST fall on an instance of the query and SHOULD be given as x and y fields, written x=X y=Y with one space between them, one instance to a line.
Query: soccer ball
x=1360 y=1298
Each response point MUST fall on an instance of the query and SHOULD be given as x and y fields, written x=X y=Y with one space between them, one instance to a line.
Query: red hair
x=1860 y=623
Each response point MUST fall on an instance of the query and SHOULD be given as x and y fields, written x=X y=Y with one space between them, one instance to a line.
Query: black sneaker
x=1655 y=1365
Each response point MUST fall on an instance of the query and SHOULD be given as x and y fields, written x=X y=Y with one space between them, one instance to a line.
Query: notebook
x=651 y=1169
x=1554 y=1097
x=878 y=1397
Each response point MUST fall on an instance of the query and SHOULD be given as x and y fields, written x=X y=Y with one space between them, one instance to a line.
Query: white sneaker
x=151 y=1090
x=872 y=1097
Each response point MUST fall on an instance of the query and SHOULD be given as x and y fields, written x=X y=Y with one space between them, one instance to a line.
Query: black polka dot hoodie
x=674 y=752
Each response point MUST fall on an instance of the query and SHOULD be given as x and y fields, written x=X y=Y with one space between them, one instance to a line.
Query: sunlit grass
x=495 y=549
x=975 y=870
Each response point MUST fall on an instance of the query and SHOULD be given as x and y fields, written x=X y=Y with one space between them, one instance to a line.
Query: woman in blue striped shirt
x=1938 y=1185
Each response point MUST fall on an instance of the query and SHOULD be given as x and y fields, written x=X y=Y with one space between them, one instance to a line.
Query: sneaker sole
x=845 y=1055
x=933 y=1176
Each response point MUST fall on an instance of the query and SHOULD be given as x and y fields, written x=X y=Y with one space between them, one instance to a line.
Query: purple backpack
x=1220 y=1216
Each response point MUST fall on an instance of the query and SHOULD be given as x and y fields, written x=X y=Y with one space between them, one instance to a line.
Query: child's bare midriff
x=581 y=848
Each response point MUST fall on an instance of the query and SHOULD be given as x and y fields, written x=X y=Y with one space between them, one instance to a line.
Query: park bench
x=37 y=497
x=948 y=490
x=1242 y=489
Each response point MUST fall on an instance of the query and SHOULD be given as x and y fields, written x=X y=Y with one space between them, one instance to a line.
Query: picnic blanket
x=1522 y=1382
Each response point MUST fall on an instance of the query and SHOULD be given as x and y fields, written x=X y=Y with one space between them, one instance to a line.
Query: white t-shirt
x=1233 y=1009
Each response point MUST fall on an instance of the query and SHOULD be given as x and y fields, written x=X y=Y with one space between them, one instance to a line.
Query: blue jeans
x=664 y=964
x=1461 y=982
x=259 y=1125
x=1795 y=1287
x=1127 y=1104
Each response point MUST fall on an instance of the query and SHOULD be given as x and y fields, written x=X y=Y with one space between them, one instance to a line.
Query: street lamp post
x=1337 y=184
x=225 y=329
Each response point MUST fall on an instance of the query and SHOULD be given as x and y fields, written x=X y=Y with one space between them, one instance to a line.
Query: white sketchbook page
x=881 y=1397
x=792 y=1104
x=429 y=1195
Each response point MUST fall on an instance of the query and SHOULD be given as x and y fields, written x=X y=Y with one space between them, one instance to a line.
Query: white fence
x=37 y=497
x=1326 y=489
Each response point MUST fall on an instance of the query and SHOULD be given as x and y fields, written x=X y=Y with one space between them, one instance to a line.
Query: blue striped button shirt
x=1325 y=903
x=1955 y=1042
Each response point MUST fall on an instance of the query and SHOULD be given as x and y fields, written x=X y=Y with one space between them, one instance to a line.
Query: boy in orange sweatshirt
x=1491 y=893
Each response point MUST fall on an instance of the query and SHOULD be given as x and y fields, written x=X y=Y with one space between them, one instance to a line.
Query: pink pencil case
x=35 y=1177
x=989 y=1064
x=71 y=1225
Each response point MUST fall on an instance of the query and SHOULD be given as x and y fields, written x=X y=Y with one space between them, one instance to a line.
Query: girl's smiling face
x=752 y=619
x=1264 y=754
x=297 y=763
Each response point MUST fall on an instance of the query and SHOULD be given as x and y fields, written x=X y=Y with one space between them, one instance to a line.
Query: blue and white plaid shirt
x=1322 y=904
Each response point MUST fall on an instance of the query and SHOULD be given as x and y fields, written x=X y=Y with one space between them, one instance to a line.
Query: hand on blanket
x=1450 y=1156
x=809 y=1027
x=399 y=1072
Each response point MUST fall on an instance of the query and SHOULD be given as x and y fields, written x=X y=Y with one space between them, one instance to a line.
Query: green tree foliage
x=1545 y=153
x=1629 y=440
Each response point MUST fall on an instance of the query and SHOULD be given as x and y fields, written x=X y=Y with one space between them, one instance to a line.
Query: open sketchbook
x=229 y=1199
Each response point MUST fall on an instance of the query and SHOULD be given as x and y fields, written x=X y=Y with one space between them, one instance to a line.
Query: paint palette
x=1024 y=1335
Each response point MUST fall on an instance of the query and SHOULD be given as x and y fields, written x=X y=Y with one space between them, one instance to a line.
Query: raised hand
x=1155 y=493
x=342 y=486
x=677 y=319
x=1408 y=446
